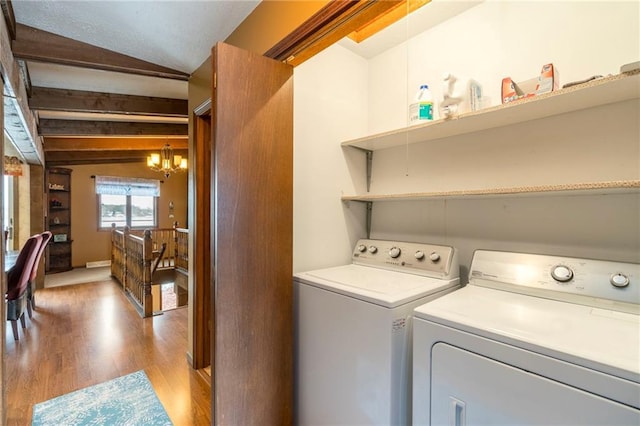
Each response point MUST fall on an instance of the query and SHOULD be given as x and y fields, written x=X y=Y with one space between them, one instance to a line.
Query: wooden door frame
x=202 y=235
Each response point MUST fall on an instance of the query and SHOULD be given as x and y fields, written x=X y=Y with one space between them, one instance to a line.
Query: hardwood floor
x=85 y=334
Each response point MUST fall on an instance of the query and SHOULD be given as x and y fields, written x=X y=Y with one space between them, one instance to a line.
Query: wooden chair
x=31 y=298
x=18 y=281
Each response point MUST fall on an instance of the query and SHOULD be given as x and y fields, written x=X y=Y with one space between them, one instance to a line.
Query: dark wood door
x=252 y=224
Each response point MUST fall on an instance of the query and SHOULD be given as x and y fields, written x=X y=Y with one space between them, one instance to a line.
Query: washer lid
x=382 y=287
x=596 y=338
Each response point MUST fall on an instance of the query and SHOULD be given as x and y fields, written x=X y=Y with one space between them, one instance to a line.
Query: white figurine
x=451 y=100
x=458 y=98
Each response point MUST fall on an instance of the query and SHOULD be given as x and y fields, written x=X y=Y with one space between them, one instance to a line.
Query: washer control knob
x=394 y=252
x=619 y=280
x=373 y=249
x=419 y=255
x=361 y=248
x=434 y=256
x=561 y=273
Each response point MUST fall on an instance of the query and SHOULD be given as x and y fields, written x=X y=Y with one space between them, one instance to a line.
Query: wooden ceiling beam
x=45 y=98
x=63 y=158
x=57 y=158
x=51 y=127
x=36 y=45
x=52 y=144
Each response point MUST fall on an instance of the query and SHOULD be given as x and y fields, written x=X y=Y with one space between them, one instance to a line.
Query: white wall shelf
x=603 y=91
x=593 y=188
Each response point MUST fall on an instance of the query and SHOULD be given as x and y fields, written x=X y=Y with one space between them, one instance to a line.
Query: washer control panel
x=601 y=283
x=417 y=258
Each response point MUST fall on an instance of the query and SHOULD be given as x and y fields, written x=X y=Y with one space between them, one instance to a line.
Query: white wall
x=330 y=105
x=498 y=39
x=593 y=145
x=487 y=42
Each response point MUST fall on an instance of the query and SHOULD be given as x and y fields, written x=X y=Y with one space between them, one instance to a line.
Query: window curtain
x=112 y=185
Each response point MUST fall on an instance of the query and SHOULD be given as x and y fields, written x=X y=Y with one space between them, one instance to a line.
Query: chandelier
x=165 y=162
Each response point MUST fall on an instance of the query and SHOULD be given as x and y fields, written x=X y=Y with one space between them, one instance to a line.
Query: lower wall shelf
x=592 y=188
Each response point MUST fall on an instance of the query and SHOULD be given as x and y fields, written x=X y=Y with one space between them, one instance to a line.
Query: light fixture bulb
x=165 y=162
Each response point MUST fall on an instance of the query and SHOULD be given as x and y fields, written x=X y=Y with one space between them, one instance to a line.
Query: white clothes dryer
x=532 y=339
x=353 y=331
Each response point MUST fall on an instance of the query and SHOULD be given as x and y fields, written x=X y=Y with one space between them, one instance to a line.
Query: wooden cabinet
x=58 y=187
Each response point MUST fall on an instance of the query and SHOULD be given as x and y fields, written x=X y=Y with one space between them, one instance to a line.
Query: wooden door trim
x=201 y=336
x=203 y=109
x=334 y=21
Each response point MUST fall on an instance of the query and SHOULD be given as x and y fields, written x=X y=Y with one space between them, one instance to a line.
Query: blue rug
x=127 y=400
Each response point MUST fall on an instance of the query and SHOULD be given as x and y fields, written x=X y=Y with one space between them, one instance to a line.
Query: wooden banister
x=158 y=257
x=135 y=256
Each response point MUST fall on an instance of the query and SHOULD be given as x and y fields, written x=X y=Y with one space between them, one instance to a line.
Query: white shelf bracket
x=369 y=167
x=369 y=160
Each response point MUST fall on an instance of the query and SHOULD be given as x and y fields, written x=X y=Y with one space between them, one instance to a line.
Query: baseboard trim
x=98 y=264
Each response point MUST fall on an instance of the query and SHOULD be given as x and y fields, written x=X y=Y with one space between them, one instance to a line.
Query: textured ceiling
x=174 y=34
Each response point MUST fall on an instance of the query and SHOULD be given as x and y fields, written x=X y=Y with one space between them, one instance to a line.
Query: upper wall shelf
x=603 y=91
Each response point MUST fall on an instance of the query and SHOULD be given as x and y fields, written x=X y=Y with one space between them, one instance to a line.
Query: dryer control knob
x=373 y=249
x=419 y=255
x=394 y=252
x=361 y=248
x=434 y=256
x=619 y=280
x=561 y=273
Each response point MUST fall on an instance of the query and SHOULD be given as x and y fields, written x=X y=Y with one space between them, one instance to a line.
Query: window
x=127 y=201
x=8 y=210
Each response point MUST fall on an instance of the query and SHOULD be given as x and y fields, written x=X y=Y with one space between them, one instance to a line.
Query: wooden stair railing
x=135 y=257
x=181 y=255
x=118 y=253
x=158 y=258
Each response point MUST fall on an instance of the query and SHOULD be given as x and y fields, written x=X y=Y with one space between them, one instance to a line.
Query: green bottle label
x=426 y=111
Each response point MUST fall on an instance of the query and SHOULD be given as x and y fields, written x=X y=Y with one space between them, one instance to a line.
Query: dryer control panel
x=416 y=258
x=599 y=283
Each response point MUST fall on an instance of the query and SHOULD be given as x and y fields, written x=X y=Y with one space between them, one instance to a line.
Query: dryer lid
x=599 y=339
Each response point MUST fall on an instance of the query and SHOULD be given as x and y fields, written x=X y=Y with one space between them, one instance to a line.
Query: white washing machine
x=532 y=339
x=353 y=331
